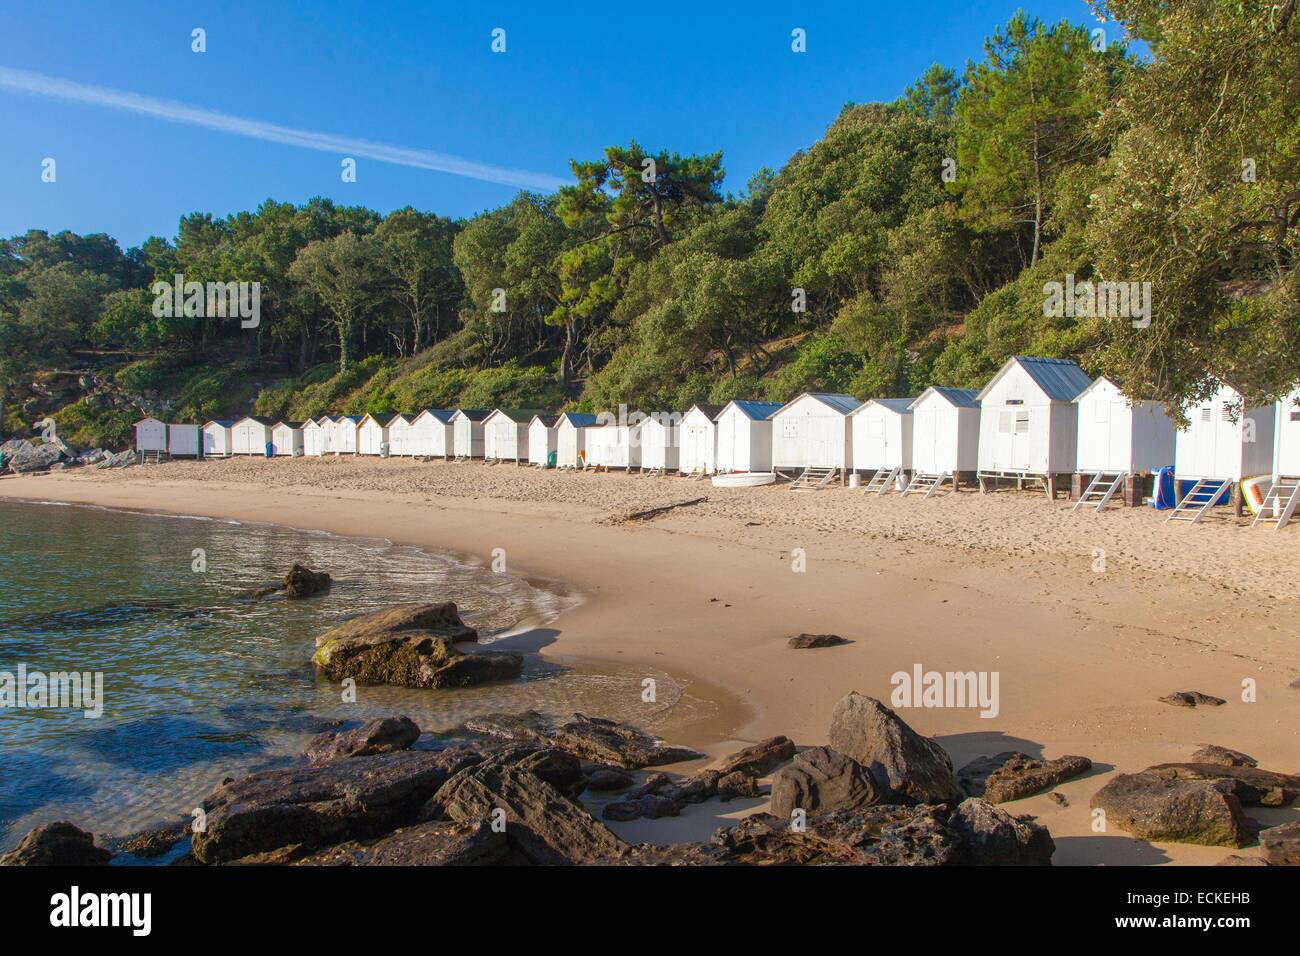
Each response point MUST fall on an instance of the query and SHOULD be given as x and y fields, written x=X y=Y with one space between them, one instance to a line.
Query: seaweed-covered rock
x=379 y=736
x=57 y=844
x=302 y=582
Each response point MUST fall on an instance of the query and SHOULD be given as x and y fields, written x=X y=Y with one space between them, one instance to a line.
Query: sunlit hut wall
x=657 y=436
x=882 y=435
x=1223 y=439
x=432 y=433
x=1119 y=436
x=698 y=440
x=571 y=438
x=813 y=431
x=467 y=432
x=216 y=438
x=400 y=441
x=250 y=435
x=505 y=434
x=1028 y=420
x=744 y=436
x=286 y=438
x=1286 y=436
x=946 y=432
x=150 y=435
x=183 y=441
x=543 y=439
x=313 y=438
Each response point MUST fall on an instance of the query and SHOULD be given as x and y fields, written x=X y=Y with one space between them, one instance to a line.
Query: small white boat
x=744 y=479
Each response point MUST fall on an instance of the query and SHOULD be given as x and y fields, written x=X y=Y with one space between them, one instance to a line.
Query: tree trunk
x=344 y=358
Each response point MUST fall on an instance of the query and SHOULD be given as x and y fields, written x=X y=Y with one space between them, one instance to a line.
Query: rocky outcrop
x=822 y=779
x=909 y=767
x=808 y=641
x=411 y=646
x=1251 y=785
x=991 y=836
x=1168 y=808
x=592 y=738
x=435 y=843
x=540 y=823
x=32 y=458
x=1212 y=753
x=57 y=844
x=122 y=459
x=303 y=582
x=606 y=779
x=1281 y=845
x=314 y=806
x=1012 y=775
x=760 y=759
x=155 y=841
x=379 y=736
x=1192 y=698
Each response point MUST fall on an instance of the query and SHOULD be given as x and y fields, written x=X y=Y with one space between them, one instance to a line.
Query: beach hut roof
x=579 y=419
x=268 y=422
x=473 y=414
x=287 y=422
x=547 y=420
x=438 y=414
x=898 y=406
x=1097 y=383
x=713 y=411
x=958 y=397
x=1061 y=380
x=517 y=415
x=223 y=422
x=149 y=418
x=844 y=404
x=354 y=419
x=381 y=419
x=756 y=411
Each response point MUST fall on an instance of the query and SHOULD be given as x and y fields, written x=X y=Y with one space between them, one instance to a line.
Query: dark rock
x=1252 y=786
x=1212 y=753
x=914 y=769
x=760 y=759
x=1012 y=775
x=622 y=811
x=1235 y=860
x=822 y=779
x=592 y=738
x=411 y=646
x=993 y=837
x=1168 y=809
x=434 y=843
x=57 y=844
x=303 y=582
x=807 y=641
x=653 y=806
x=356 y=798
x=379 y=736
x=607 y=779
x=155 y=841
x=34 y=458
x=1281 y=845
x=561 y=769
x=1192 y=698
x=1059 y=799
x=700 y=786
x=736 y=784
x=541 y=824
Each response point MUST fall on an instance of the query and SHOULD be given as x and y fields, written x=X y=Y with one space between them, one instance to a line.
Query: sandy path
x=967 y=583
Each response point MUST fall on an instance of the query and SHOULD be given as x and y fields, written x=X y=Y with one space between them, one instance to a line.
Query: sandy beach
x=1087 y=619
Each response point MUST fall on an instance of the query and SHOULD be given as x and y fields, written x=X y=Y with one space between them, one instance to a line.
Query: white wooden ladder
x=814 y=478
x=1282 y=498
x=927 y=482
x=882 y=481
x=1100 y=490
x=1196 y=504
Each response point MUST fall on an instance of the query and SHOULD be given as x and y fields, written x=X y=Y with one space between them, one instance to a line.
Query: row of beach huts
x=1038 y=420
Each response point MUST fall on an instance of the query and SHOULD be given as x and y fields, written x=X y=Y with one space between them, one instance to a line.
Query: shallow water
x=201 y=682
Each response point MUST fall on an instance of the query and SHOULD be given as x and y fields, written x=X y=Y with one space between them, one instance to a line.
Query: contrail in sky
x=38 y=84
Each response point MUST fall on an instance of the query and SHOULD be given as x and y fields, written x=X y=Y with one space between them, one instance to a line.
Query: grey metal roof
x=296 y=426
x=1060 y=379
x=517 y=415
x=382 y=419
x=474 y=414
x=844 y=404
x=547 y=420
x=712 y=411
x=757 y=411
x=441 y=414
x=579 y=419
x=223 y=422
x=899 y=406
x=959 y=397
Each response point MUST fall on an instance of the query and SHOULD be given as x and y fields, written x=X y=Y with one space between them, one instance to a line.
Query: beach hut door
x=1013 y=435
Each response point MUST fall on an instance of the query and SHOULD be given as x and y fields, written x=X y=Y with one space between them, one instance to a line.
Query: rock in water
x=822 y=779
x=993 y=837
x=154 y=842
x=913 y=768
x=436 y=843
x=1165 y=808
x=1212 y=753
x=303 y=582
x=1012 y=775
x=760 y=759
x=1192 y=698
x=411 y=646
x=57 y=844
x=379 y=736
x=314 y=806
x=1281 y=845
x=807 y=641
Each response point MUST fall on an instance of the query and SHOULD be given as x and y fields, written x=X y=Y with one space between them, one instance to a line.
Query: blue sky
x=421 y=76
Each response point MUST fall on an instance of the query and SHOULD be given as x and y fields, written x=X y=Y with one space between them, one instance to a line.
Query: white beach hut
x=313 y=438
x=250 y=435
x=150 y=436
x=744 y=436
x=505 y=435
x=287 y=439
x=613 y=446
x=216 y=439
x=697 y=440
x=1222 y=443
x=345 y=434
x=372 y=434
x=882 y=441
x=945 y=437
x=467 y=432
x=401 y=435
x=571 y=439
x=1119 y=443
x=542 y=439
x=1029 y=422
x=656 y=439
x=431 y=433
x=183 y=441
x=812 y=436
x=1280 y=501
